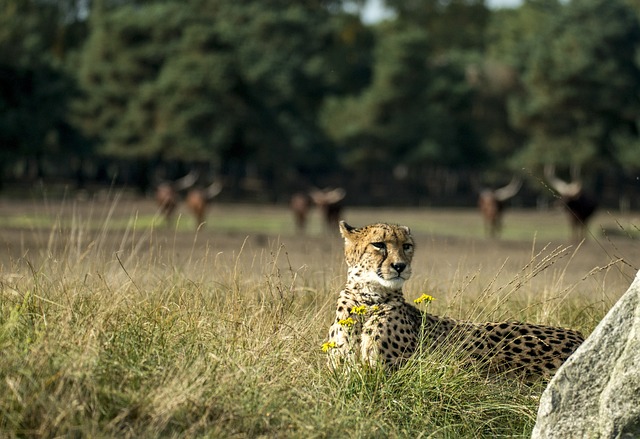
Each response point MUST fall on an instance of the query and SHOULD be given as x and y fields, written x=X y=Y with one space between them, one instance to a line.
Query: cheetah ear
x=406 y=229
x=346 y=230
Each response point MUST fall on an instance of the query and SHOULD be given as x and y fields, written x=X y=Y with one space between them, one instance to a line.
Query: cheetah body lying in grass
x=375 y=324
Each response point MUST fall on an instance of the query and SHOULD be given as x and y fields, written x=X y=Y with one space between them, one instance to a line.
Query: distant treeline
x=274 y=96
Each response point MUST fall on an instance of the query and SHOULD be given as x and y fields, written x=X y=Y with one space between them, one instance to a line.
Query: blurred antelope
x=198 y=198
x=329 y=202
x=167 y=194
x=579 y=205
x=492 y=202
x=300 y=205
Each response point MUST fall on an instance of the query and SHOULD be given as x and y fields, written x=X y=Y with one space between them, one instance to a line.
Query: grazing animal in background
x=329 y=201
x=198 y=199
x=167 y=199
x=300 y=205
x=375 y=324
x=492 y=203
x=167 y=194
x=579 y=205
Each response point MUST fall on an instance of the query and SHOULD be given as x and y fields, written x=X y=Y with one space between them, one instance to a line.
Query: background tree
x=416 y=109
x=232 y=84
x=278 y=95
x=581 y=86
x=452 y=24
x=128 y=71
x=511 y=34
x=35 y=89
x=290 y=55
x=415 y=114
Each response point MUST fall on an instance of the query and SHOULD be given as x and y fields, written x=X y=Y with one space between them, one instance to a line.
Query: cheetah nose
x=399 y=266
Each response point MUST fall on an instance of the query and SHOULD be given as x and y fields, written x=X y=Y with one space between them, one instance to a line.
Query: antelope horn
x=317 y=195
x=563 y=188
x=213 y=190
x=327 y=195
x=509 y=191
x=187 y=181
x=335 y=195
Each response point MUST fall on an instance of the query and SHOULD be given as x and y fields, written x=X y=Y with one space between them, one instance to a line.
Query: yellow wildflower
x=424 y=298
x=374 y=308
x=328 y=345
x=359 y=310
x=346 y=322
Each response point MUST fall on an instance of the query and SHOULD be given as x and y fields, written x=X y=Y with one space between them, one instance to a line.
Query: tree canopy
x=305 y=92
x=415 y=110
x=581 y=90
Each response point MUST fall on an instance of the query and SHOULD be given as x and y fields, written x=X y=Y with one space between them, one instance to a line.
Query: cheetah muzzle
x=375 y=324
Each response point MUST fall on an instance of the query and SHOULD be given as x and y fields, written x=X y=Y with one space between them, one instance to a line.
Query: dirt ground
x=452 y=252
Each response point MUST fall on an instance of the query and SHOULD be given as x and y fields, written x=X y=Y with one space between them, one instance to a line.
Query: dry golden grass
x=111 y=326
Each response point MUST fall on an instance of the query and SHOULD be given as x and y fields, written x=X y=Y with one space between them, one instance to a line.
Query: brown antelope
x=198 y=198
x=329 y=202
x=167 y=194
x=492 y=202
x=300 y=205
x=579 y=205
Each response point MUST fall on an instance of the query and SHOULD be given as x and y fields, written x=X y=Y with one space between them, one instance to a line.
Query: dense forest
x=273 y=96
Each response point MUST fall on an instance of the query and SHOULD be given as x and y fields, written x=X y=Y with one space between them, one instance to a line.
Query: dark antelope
x=198 y=199
x=492 y=203
x=329 y=201
x=300 y=205
x=579 y=205
x=167 y=194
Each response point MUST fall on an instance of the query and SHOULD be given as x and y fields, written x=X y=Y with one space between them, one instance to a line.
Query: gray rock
x=596 y=392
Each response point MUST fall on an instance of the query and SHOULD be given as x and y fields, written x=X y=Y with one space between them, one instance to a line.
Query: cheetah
x=374 y=324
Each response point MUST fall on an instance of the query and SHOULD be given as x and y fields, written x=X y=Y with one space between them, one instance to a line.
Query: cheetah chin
x=394 y=283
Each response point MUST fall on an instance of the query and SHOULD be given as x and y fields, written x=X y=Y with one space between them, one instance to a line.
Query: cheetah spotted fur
x=375 y=324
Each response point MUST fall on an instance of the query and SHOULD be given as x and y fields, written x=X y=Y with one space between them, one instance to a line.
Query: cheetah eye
x=379 y=245
x=407 y=247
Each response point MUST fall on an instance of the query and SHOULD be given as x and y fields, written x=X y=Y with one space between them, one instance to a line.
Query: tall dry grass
x=127 y=334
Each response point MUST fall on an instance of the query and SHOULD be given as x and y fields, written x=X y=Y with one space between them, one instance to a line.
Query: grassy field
x=114 y=325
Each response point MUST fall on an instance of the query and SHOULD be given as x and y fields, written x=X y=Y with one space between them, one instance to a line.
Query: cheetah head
x=378 y=253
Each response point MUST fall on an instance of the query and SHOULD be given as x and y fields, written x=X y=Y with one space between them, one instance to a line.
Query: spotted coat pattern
x=375 y=324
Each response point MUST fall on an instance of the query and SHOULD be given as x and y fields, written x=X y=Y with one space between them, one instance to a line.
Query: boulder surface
x=596 y=392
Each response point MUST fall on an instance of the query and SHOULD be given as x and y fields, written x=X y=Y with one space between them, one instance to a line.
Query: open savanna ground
x=113 y=324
